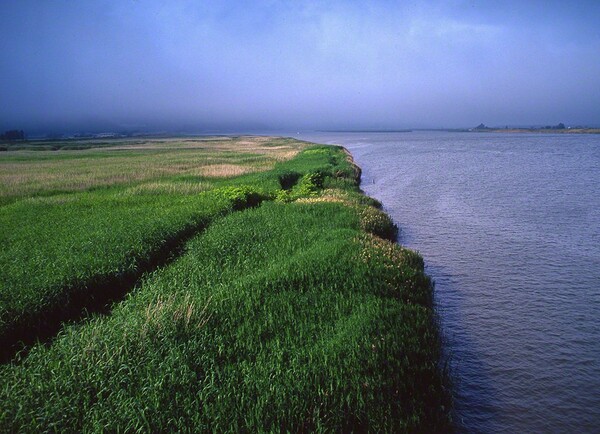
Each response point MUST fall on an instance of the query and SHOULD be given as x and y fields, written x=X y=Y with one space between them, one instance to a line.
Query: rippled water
x=509 y=226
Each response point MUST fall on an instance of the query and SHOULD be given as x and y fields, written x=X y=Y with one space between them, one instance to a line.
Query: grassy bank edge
x=306 y=196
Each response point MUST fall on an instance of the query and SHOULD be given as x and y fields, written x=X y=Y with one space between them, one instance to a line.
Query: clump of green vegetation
x=240 y=197
x=379 y=223
x=308 y=185
x=294 y=315
x=288 y=179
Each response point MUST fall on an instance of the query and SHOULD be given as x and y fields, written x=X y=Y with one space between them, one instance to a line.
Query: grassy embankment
x=294 y=315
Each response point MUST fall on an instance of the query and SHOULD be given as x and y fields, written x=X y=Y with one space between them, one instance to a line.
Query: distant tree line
x=13 y=135
x=559 y=126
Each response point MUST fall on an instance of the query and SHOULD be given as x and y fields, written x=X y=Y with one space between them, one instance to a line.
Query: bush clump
x=241 y=197
x=288 y=179
x=308 y=185
x=378 y=223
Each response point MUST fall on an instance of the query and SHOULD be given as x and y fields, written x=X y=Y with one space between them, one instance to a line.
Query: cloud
x=297 y=64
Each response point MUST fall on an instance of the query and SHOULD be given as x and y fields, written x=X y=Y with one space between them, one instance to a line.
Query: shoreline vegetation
x=213 y=284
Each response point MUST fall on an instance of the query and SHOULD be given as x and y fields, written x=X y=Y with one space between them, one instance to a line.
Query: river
x=509 y=226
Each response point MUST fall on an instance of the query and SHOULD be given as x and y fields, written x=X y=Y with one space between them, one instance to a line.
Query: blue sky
x=193 y=65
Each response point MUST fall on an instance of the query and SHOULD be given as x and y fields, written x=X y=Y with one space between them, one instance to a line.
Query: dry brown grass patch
x=224 y=170
x=133 y=161
x=331 y=195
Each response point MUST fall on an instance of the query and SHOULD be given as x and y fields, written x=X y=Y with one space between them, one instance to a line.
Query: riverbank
x=287 y=307
x=464 y=201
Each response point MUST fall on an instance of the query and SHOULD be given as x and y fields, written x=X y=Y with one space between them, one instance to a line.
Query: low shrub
x=378 y=223
x=288 y=179
x=241 y=197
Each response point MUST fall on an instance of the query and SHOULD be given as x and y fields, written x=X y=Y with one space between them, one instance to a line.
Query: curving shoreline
x=300 y=314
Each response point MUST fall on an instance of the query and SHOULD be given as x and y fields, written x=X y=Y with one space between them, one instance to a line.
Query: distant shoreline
x=536 y=130
x=364 y=131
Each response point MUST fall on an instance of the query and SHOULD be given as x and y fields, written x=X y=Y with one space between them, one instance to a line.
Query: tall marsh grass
x=61 y=252
x=291 y=314
x=285 y=317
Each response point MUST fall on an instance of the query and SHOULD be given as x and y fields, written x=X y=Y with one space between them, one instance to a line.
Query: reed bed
x=283 y=318
x=291 y=311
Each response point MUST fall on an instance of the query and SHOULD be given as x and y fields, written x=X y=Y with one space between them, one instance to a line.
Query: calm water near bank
x=509 y=226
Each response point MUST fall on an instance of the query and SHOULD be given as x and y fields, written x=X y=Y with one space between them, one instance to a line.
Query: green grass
x=61 y=252
x=66 y=244
x=29 y=173
x=296 y=315
x=286 y=317
x=52 y=251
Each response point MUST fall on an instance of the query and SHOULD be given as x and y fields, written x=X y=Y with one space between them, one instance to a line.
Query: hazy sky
x=189 y=65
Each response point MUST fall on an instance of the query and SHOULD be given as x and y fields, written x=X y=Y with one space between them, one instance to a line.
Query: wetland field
x=208 y=284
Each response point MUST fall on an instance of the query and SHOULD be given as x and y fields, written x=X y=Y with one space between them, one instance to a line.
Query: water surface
x=509 y=226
